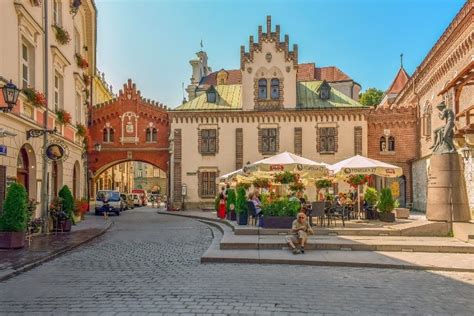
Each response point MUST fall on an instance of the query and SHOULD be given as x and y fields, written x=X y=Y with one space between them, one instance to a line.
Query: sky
x=152 y=41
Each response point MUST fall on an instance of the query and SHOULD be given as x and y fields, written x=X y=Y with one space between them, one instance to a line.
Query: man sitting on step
x=300 y=230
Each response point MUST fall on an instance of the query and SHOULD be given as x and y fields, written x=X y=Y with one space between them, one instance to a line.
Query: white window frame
x=57 y=12
x=78 y=112
x=77 y=41
x=28 y=64
x=58 y=91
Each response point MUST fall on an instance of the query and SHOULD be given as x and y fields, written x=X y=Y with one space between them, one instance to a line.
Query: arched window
x=151 y=135
x=262 y=89
x=22 y=173
x=108 y=135
x=391 y=143
x=111 y=135
x=275 y=89
x=383 y=144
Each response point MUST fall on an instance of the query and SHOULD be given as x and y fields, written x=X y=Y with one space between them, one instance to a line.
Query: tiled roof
x=229 y=98
x=399 y=82
x=235 y=77
x=308 y=97
x=308 y=72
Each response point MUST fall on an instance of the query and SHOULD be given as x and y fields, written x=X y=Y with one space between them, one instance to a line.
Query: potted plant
x=62 y=35
x=63 y=117
x=231 y=199
x=322 y=184
x=35 y=97
x=386 y=205
x=261 y=183
x=33 y=224
x=14 y=218
x=280 y=213
x=81 y=61
x=285 y=177
x=58 y=216
x=81 y=130
x=357 y=179
x=68 y=202
x=241 y=206
x=297 y=186
x=371 y=196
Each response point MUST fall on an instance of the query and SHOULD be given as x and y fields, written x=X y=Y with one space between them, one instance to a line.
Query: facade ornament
x=443 y=136
x=268 y=57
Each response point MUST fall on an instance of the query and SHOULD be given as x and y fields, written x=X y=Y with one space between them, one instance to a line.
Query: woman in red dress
x=222 y=211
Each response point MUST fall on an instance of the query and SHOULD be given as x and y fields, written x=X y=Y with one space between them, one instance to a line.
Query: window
x=211 y=97
x=58 y=91
x=275 y=92
x=27 y=64
x=327 y=139
x=78 y=108
x=383 y=144
x=391 y=143
x=57 y=18
x=262 y=89
x=108 y=135
x=269 y=140
x=151 y=135
x=324 y=91
x=77 y=42
x=207 y=184
x=208 y=141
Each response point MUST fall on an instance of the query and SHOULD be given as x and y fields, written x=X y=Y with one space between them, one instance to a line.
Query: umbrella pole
x=358 y=201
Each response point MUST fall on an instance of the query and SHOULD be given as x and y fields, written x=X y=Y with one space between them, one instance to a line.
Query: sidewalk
x=417 y=253
x=44 y=248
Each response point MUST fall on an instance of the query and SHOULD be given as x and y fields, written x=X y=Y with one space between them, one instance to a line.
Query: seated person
x=300 y=230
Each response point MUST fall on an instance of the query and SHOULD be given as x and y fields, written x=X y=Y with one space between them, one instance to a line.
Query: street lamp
x=10 y=95
x=97 y=147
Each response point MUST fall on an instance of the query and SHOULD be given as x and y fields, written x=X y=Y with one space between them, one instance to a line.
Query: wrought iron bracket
x=33 y=133
x=6 y=109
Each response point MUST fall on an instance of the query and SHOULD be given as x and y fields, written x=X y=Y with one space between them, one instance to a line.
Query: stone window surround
x=261 y=127
x=268 y=103
x=336 y=136
x=199 y=142
x=386 y=140
x=212 y=186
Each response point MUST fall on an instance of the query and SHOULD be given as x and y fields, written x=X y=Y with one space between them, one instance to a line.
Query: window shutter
x=358 y=140
x=199 y=143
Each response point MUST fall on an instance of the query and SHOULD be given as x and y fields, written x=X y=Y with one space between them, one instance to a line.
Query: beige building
x=49 y=48
x=271 y=104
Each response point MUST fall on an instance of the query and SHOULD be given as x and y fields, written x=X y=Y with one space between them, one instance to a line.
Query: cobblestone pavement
x=150 y=263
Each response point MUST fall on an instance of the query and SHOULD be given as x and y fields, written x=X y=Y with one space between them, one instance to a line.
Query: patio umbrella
x=365 y=166
x=231 y=175
x=286 y=161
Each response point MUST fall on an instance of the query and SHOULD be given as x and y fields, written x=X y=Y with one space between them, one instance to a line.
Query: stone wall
x=420 y=183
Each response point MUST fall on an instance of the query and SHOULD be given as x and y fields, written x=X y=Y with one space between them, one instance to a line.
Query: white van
x=113 y=198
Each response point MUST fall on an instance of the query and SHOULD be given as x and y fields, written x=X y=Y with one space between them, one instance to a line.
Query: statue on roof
x=443 y=136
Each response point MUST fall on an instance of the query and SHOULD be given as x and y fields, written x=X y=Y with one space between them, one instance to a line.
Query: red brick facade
x=128 y=117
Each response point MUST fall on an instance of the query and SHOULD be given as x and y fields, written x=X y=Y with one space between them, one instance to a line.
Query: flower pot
x=242 y=218
x=233 y=216
x=387 y=217
x=12 y=240
x=276 y=221
x=62 y=225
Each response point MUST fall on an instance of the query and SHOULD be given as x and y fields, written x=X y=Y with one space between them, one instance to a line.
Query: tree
x=68 y=201
x=371 y=96
x=14 y=215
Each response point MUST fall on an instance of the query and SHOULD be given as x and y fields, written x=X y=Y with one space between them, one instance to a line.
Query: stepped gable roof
x=399 y=82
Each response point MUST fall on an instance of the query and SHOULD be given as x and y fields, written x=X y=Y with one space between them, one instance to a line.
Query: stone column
x=447 y=196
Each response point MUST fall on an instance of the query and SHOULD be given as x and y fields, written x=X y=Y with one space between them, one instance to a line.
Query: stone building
x=59 y=66
x=271 y=104
x=445 y=74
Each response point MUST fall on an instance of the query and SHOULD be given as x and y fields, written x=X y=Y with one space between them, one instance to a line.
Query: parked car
x=128 y=201
x=143 y=196
x=136 y=199
x=110 y=198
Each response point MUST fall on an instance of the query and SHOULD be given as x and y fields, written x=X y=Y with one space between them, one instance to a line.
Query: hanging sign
x=3 y=150
x=56 y=150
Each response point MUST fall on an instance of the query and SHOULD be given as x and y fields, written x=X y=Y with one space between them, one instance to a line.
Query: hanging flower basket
x=286 y=177
x=63 y=117
x=35 y=97
x=62 y=35
x=81 y=130
x=81 y=62
x=261 y=183
x=297 y=186
x=323 y=183
x=358 y=179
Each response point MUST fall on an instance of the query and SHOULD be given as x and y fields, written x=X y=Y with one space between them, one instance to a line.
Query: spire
x=400 y=80
x=401 y=60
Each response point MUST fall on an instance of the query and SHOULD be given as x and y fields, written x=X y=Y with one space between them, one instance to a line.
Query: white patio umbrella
x=365 y=166
x=287 y=161
x=231 y=175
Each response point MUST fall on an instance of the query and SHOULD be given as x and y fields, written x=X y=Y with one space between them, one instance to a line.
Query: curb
x=202 y=219
x=16 y=271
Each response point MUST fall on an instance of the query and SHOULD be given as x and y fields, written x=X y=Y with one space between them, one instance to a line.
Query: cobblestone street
x=150 y=263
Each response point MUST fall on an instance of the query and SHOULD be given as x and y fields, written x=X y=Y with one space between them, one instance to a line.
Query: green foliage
x=14 y=217
x=297 y=186
x=230 y=200
x=371 y=196
x=386 y=202
x=241 y=202
x=261 y=183
x=217 y=201
x=243 y=185
x=67 y=202
x=285 y=177
x=323 y=183
x=371 y=97
x=264 y=198
x=282 y=207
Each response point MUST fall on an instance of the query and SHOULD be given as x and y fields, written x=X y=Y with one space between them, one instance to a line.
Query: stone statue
x=443 y=136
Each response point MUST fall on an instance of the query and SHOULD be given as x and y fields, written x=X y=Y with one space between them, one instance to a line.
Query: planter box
x=12 y=240
x=242 y=218
x=387 y=217
x=62 y=226
x=276 y=221
x=231 y=216
x=402 y=212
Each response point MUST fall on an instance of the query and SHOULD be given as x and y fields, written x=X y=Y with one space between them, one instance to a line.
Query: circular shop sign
x=54 y=152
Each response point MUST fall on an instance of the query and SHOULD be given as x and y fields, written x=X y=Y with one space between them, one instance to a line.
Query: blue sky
x=152 y=41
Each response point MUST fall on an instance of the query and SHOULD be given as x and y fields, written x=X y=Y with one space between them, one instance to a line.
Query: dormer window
x=211 y=95
x=262 y=89
x=324 y=91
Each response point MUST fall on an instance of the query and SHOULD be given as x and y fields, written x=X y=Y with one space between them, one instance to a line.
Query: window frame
x=208 y=141
x=327 y=140
x=151 y=135
x=269 y=140
x=78 y=112
x=28 y=63
x=391 y=143
x=207 y=184
x=108 y=136
x=212 y=99
x=57 y=12
x=275 y=82
x=262 y=83
x=58 y=91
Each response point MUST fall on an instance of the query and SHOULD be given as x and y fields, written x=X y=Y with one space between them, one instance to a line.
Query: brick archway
x=128 y=128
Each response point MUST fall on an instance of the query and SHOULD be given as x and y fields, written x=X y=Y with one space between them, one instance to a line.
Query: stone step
x=353 y=243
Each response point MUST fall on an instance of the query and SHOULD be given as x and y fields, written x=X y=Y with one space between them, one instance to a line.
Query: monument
x=447 y=197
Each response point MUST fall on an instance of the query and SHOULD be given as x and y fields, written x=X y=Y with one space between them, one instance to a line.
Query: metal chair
x=317 y=210
x=337 y=211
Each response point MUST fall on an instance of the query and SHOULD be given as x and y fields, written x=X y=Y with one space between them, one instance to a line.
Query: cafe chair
x=317 y=210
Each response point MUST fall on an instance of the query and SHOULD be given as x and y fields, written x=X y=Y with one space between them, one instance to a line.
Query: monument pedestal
x=447 y=197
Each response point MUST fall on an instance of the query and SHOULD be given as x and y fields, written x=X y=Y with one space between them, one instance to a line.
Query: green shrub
x=371 y=196
x=68 y=202
x=241 y=202
x=386 y=202
x=285 y=177
x=14 y=217
x=323 y=183
x=230 y=200
x=217 y=201
x=282 y=207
